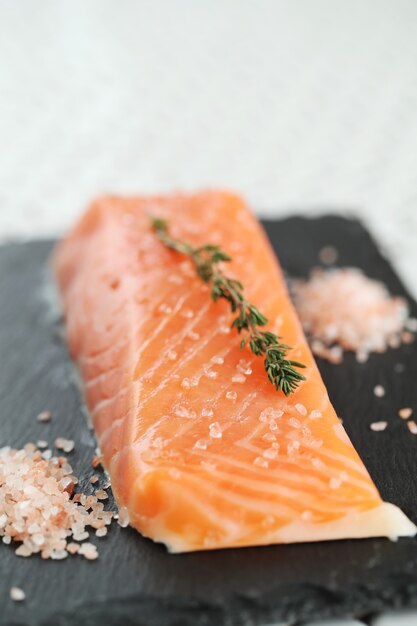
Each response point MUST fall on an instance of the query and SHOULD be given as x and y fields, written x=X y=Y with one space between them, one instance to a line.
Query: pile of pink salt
x=38 y=509
x=342 y=309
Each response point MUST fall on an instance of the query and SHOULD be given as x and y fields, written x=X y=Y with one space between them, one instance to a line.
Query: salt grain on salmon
x=315 y=414
x=200 y=444
x=378 y=426
x=260 y=462
x=405 y=413
x=412 y=427
x=300 y=408
x=335 y=482
x=215 y=430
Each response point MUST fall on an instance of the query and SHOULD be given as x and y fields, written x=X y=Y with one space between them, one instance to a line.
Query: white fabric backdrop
x=298 y=105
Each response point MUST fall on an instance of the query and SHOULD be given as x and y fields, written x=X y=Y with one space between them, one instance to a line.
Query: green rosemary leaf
x=281 y=372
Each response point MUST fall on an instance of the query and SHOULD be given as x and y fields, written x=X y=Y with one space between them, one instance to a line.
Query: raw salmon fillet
x=202 y=452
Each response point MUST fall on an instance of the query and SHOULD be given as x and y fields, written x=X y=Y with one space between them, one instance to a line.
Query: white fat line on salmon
x=292 y=501
x=256 y=488
x=106 y=402
x=202 y=344
x=180 y=337
x=275 y=474
x=176 y=341
x=210 y=512
x=125 y=340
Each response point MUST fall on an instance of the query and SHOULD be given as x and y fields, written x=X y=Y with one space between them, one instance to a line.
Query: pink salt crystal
x=407 y=337
x=315 y=415
x=378 y=426
x=101 y=532
x=200 y=444
x=412 y=427
x=68 y=445
x=23 y=550
x=342 y=309
x=405 y=413
x=97 y=460
x=44 y=416
x=379 y=391
x=89 y=551
x=40 y=511
x=94 y=479
x=300 y=408
x=123 y=519
x=101 y=494
x=41 y=444
x=238 y=378
x=211 y=374
x=215 y=430
x=328 y=255
x=231 y=395
x=260 y=462
x=17 y=594
x=270 y=453
x=335 y=482
x=59 y=555
x=411 y=324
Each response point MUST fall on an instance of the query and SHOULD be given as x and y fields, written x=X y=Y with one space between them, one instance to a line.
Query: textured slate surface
x=137 y=582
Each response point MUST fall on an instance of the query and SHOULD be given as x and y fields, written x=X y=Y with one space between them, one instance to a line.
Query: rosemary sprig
x=281 y=372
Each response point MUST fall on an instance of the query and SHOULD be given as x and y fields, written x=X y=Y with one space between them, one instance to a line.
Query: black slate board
x=138 y=582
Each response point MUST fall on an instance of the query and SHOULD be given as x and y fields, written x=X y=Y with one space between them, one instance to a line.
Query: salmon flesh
x=202 y=452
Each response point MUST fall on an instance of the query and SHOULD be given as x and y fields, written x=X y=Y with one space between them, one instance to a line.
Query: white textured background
x=298 y=104
x=301 y=105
